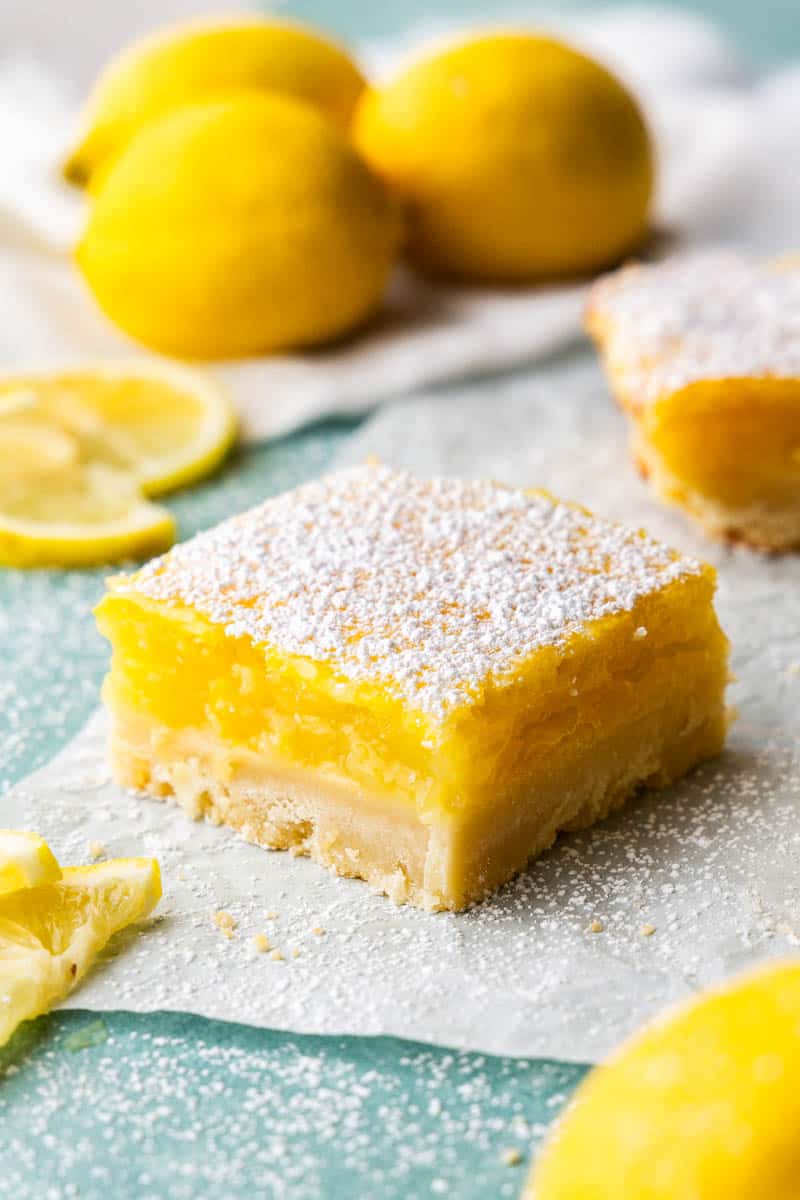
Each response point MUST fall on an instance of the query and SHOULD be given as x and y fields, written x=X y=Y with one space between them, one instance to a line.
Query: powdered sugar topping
x=709 y=315
x=427 y=586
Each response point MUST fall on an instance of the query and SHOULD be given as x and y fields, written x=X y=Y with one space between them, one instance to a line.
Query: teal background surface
x=767 y=31
x=171 y=1107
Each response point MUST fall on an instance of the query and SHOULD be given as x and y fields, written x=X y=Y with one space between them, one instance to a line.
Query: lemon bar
x=415 y=682
x=703 y=353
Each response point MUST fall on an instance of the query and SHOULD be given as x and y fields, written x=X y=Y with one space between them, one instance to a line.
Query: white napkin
x=706 y=118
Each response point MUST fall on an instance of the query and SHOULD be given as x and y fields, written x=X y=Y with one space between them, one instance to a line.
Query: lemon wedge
x=51 y=934
x=83 y=448
x=26 y=860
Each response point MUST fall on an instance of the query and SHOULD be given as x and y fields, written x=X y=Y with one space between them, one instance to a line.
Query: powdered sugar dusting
x=125 y=1106
x=429 y=586
x=710 y=315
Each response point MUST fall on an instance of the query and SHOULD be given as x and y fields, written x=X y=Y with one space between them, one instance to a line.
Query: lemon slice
x=164 y=425
x=50 y=935
x=82 y=449
x=26 y=860
x=75 y=517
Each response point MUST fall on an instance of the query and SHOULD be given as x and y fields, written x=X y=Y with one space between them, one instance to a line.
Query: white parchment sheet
x=688 y=885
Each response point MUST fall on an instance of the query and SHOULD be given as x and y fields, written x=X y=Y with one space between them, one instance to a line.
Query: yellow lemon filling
x=734 y=441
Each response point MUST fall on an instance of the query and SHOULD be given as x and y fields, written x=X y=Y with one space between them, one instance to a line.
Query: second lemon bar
x=417 y=682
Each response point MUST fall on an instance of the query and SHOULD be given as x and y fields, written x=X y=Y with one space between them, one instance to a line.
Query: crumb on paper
x=224 y=922
x=271 y=915
x=318 y=931
x=96 y=850
x=647 y=930
x=277 y=956
x=295 y=953
x=596 y=927
x=261 y=943
x=511 y=1157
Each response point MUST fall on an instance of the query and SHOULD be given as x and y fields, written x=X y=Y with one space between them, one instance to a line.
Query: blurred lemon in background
x=703 y=1104
x=520 y=159
x=193 y=62
x=50 y=934
x=244 y=225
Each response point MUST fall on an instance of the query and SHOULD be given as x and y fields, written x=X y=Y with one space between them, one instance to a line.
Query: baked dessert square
x=703 y=353
x=416 y=682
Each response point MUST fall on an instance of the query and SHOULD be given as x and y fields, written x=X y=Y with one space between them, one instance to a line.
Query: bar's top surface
x=426 y=586
x=707 y=315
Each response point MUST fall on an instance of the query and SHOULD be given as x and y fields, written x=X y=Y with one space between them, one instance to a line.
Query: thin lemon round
x=137 y=530
x=51 y=934
x=165 y=425
x=704 y=1103
x=198 y=60
x=519 y=159
x=26 y=860
x=83 y=448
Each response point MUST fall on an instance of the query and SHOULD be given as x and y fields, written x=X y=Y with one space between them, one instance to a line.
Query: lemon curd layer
x=416 y=682
x=704 y=354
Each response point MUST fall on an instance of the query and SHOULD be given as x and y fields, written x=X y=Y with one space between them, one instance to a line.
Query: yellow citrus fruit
x=194 y=62
x=81 y=449
x=239 y=226
x=26 y=860
x=50 y=935
x=519 y=157
x=702 y=1105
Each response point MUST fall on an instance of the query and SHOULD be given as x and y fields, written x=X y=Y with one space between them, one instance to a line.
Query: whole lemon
x=703 y=1105
x=192 y=63
x=243 y=225
x=519 y=157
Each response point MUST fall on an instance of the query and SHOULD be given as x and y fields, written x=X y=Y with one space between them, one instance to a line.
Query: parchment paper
x=711 y=866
